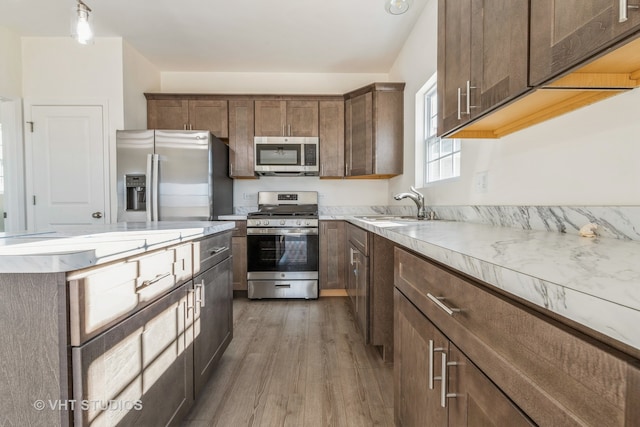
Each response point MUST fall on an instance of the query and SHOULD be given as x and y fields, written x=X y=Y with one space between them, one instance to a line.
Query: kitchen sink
x=386 y=218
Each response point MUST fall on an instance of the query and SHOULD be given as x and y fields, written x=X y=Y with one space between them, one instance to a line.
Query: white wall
x=140 y=76
x=10 y=64
x=266 y=83
x=587 y=157
x=332 y=192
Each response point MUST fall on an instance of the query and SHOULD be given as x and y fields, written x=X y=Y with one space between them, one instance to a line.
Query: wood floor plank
x=296 y=363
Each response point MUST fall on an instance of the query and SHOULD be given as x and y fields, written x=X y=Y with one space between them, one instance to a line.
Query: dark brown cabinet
x=333 y=259
x=239 y=250
x=189 y=114
x=374 y=131
x=551 y=372
x=146 y=360
x=331 y=132
x=286 y=117
x=565 y=33
x=241 y=133
x=358 y=276
x=482 y=58
x=435 y=384
x=212 y=306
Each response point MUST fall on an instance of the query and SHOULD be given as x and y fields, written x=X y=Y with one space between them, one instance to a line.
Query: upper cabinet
x=567 y=32
x=286 y=118
x=579 y=52
x=482 y=57
x=331 y=132
x=188 y=114
x=374 y=120
x=241 y=133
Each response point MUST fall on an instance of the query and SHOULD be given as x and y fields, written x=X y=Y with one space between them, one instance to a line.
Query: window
x=442 y=156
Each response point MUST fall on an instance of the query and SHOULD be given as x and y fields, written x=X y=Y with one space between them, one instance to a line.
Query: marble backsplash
x=618 y=222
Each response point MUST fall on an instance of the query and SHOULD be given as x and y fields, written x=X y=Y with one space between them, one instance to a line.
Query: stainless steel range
x=282 y=246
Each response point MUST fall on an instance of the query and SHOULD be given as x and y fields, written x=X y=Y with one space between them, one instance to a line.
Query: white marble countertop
x=593 y=281
x=68 y=248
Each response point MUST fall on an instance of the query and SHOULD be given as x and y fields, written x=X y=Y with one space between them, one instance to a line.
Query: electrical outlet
x=246 y=196
x=481 y=182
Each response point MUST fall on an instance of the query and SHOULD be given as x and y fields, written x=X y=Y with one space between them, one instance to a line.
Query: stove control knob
x=298 y=222
x=308 y=223
x=266 y=222
x=282 y=222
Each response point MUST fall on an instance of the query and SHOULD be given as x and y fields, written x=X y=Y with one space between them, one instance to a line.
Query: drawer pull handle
x=439 y=303
x=217 y=250
x=200 y=300
x=432 y=351
x=150 y=282
x=283 y=285
x=443 y=386
x=624 y=7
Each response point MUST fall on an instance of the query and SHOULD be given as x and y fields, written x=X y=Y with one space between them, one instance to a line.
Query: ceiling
x=296 y=36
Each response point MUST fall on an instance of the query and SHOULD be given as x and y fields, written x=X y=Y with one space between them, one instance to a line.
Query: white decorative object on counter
x=589 y=230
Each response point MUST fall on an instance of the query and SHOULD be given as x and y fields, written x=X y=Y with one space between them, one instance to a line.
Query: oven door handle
x=295 y=232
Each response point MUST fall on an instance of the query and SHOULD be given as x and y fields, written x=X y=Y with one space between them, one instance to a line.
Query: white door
x=67 y=167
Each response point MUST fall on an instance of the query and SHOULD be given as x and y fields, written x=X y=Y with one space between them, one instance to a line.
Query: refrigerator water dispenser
x=136 y=191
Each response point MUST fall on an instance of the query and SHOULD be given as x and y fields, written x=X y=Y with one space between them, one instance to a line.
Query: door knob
x=96 y=215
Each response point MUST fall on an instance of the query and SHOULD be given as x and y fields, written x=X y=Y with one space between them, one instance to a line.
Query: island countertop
x=592 y=281
x=69 y=248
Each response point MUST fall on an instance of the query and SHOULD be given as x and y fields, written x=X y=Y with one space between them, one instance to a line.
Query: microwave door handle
x=149 y=190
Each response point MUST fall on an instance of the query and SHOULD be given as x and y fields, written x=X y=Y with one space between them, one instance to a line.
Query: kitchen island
x=108 y=324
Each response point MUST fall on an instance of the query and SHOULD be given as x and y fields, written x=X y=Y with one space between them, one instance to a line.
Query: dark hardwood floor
x=296 y=363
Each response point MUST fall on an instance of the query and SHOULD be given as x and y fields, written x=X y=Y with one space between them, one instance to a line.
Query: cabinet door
x=331 y=133
x=474 y=400
x=241 y=134
x=213 y=320
x=302 y=118
x=167 y=114
x=333 y=256
x=271 y=118
x=417 y=393
x=454 y=63
x=147 y=358
x=209 y=115
x=499 y=55
x=362 y=294
x=239 y=250
x=360 y=143
x=566 y=32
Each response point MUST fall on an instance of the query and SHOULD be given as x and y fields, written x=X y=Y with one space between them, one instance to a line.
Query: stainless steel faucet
x=418 y=199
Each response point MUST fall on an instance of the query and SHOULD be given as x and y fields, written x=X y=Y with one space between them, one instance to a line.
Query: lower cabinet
x=139 y=372
x=332 y=255
x=239 y=250
x=435 y=384
x=358 y=276
x=213 y=320
x=149 y=365
x=488 y=346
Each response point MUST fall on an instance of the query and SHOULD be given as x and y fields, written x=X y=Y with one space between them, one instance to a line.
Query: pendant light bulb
x=81 y=27
x=396 y=7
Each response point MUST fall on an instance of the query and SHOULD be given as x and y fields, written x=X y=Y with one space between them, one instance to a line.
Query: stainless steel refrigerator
x=166 y=175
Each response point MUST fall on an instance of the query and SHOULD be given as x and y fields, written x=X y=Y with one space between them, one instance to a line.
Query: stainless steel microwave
x=286 y=155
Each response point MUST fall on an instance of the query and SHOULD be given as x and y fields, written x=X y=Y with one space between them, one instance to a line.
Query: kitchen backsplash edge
x=618 y=222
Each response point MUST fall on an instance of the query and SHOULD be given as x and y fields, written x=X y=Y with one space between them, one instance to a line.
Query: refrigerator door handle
x=156 y=189
x=150 y=191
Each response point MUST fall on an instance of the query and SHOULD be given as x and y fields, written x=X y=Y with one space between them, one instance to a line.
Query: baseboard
x=333 y=292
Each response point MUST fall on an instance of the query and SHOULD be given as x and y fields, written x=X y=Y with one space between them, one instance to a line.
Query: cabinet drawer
x=99 y=297
x=145 y=358
x=359 y=237
x=211 y=250
x=556 y=375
